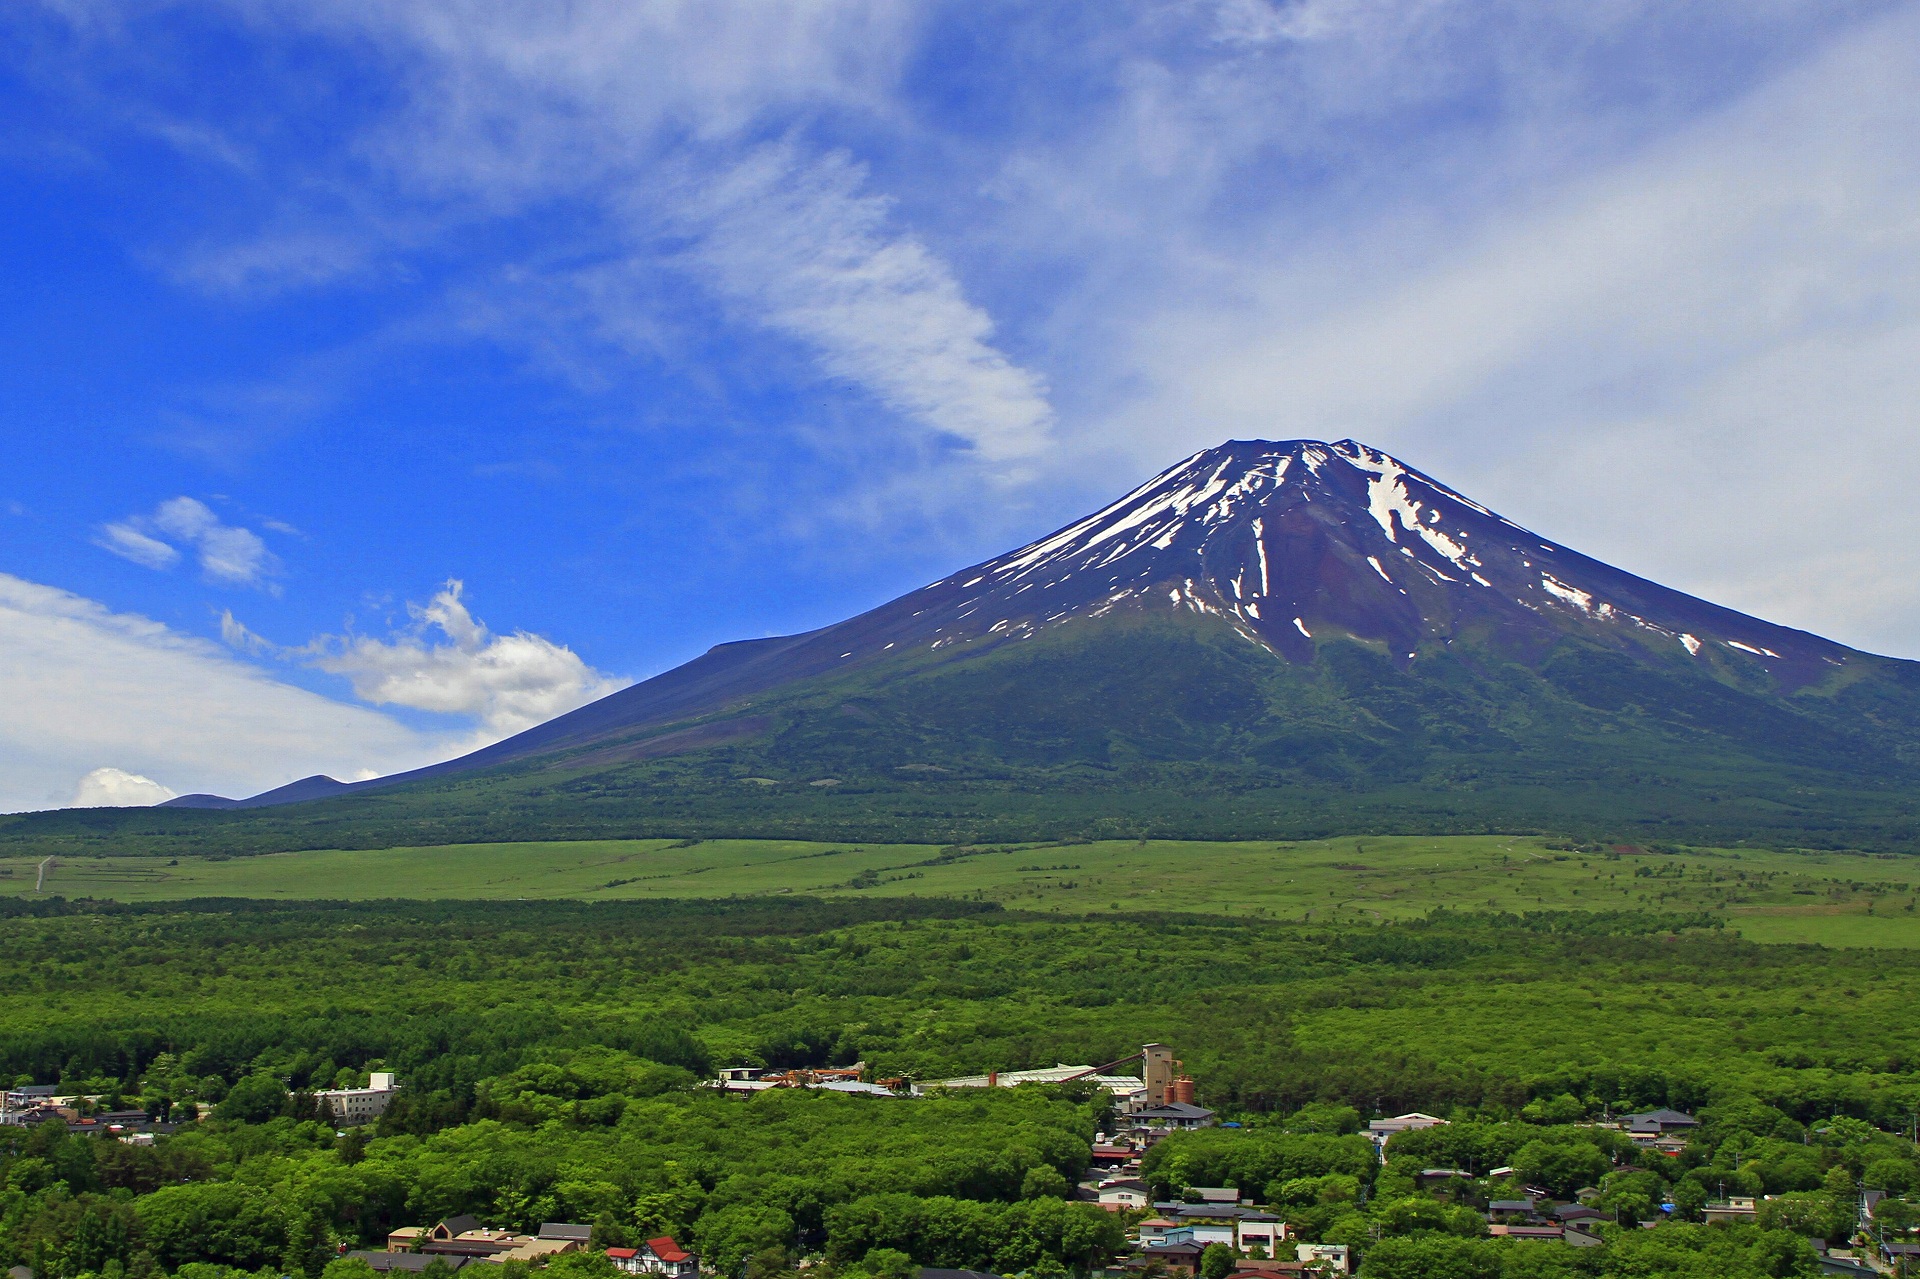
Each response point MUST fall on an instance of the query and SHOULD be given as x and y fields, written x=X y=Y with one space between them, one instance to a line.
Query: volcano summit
x=1267 y=639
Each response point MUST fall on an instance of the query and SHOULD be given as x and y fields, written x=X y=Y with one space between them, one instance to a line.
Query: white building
x=1121 y=1086
x=350 y=1106
x=1331 y=1255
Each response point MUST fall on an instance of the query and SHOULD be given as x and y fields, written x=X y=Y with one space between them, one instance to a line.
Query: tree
x=1043 y=1182
x=729 y=1236
x=1561 y=1167
x=1323 y=1117
x=253 y=1100
x=1432 y=1257
x=888 y=1263
x=348 y=1268
x=1216 y=1261
x=220 y=1221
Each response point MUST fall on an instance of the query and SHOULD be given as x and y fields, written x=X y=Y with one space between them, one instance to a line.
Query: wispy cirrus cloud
x=646 y=122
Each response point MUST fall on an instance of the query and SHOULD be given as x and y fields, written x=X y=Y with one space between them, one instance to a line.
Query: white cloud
x=804 y=250
x=609 y=107
x=130 y=543
x=1701 y=362
x=227 y=553
x=84 y=685
x=506 y=682
x=117 y=788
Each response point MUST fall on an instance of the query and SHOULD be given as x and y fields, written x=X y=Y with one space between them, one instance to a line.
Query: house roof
x=408 y=1261
x=1568 y=1212
x=1173 y=1249
x=1670 y=1118
x=1174 y=1110
x=666 y=1249
x=565 y=1230
x=623 y=1253
x=1511 y=1205
x=459 y=1225
x=929 y=1272
x=1218 y=1212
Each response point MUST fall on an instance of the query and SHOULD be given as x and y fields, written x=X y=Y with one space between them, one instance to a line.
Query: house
x=582 y=1235
x=1656 y=1123
x=477 y=1243
x=1175 y=1256
x=1174 y=1116
x=28 y=1096
x=405 y=1262
x=532 y=1250
x=452 y=1228
x=19 y=1272
x=1327 y=1256
x=1900 y=1253
x=1736 y=1208
x=1156 y=1230
x=660 y=1256
x=1125 y=1195
x=1240 y=1227
x=350 y=1106
x=1383 y=1130
x=1831 y=1264
x=1576 y=1238
x=1579 y=1215
x=1544 y=1234
x=1510 y=1210
x=1264 y=1235
x=1215 y=1194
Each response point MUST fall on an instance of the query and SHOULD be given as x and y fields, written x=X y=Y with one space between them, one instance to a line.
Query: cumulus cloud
x=83 y=685
x=226 y=552
x=506 y=682
x=117 y=788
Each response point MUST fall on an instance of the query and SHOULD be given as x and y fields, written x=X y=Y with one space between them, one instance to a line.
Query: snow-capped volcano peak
x=1298 y=541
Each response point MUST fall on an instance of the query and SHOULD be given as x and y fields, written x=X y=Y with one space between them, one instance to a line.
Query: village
x=1221 y=1232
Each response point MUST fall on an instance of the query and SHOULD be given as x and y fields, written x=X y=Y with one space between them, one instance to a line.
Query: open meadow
x=1831 y=898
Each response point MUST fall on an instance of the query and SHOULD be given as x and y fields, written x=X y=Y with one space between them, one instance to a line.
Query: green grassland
x=1830 y=898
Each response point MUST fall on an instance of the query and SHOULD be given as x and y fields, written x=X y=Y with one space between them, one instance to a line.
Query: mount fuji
x=1267 y=638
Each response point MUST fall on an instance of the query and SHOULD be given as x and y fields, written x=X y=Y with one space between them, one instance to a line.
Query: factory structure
x=1160 y=1100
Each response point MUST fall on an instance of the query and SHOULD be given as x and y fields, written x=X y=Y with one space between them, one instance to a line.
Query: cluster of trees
x=982 y=1177
x=548 y=1053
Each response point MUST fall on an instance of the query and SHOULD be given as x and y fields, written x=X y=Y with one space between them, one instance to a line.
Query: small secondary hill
x=1266 y=639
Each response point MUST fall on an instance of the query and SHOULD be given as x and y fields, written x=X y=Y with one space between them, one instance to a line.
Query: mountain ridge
x=1261 y=631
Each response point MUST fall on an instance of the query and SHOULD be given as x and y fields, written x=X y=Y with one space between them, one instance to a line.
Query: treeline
x=175 y=1004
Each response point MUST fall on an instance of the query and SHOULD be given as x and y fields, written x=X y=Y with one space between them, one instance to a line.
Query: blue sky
x=654 y=325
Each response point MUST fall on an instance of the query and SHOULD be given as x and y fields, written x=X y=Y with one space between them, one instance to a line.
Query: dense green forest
x=548 y=1053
